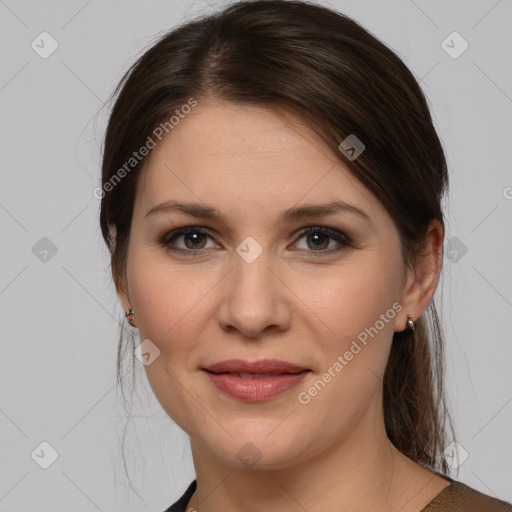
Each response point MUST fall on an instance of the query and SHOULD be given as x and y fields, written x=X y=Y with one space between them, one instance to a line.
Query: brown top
x=456 y=497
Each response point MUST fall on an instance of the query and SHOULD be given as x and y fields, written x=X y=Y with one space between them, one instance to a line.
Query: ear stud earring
x=410 y=323
x=129 y=315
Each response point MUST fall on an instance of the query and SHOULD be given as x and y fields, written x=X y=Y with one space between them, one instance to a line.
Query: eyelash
x=338 y=236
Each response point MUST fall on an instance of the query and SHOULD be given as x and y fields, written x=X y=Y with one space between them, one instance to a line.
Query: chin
x=256 y=448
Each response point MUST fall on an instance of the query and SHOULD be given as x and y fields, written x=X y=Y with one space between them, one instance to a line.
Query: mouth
x=255 y=381
x=241 y=375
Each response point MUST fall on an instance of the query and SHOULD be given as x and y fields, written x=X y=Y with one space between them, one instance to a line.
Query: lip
x=271 y=378
x=261 y=366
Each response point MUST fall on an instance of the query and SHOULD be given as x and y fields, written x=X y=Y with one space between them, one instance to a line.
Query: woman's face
x=247 y=284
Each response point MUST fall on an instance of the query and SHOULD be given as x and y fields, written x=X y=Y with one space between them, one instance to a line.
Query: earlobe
x=130 y=317
x=122 y=293
x=423 y=276
x=129 y=313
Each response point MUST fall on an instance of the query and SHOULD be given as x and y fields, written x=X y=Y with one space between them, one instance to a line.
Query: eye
x=319 y=238
x=194 y=239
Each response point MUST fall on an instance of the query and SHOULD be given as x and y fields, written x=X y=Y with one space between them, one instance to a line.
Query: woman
x=272 y=186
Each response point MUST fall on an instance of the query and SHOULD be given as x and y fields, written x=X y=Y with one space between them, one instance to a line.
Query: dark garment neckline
x=453 y=493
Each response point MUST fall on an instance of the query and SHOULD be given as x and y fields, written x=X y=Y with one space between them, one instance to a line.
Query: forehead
x=224 y=153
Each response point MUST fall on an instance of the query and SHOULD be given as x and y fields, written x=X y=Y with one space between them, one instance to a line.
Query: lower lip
x=257 y=389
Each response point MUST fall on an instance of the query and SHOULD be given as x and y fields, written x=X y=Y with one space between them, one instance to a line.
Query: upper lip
x=262 y=366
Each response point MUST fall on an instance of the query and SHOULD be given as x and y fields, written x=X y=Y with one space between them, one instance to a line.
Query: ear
x=123 y=298
x=122 y=293
x=422 y=277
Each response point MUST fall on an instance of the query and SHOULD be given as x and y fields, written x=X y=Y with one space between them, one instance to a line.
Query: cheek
x=357 y=316
x=168 y=299
x=170 y=311
x=355 y=309
x=351 y=299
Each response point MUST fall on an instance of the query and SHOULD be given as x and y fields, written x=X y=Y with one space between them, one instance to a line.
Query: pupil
x=319 y=237
x=195 y=239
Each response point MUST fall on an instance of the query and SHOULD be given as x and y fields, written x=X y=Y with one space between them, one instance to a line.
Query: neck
x=363 y=471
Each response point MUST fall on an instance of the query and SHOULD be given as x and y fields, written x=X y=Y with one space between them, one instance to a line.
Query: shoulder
x=459 y=497
x=181 y=504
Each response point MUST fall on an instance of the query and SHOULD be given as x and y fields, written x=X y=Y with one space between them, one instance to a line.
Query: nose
x=254 y=298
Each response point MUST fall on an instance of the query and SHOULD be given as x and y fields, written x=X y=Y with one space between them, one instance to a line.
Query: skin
x=292 y=303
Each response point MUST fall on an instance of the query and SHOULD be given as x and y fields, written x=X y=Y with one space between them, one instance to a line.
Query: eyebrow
x=292 y=214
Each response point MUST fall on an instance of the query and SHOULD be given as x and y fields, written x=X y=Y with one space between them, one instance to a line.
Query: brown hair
x=325 y=68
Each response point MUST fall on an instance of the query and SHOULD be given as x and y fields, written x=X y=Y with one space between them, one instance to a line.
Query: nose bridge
x=251 y=273
x=253 y=298
x=251 y=277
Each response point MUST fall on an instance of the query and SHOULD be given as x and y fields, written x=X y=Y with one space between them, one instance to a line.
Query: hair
x=326 y=69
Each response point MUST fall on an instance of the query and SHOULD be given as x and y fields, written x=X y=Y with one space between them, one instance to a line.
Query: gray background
x=59 y=313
